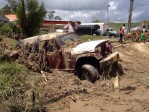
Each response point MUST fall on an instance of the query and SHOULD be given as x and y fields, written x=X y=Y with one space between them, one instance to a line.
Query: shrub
x=2 y=23
x=5 y=29
x=19 y=91
x=12 y=69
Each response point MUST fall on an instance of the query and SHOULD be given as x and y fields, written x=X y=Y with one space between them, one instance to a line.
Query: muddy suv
x=67 y=52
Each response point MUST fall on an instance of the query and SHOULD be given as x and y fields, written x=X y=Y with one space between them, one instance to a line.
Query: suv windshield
x=68 y=39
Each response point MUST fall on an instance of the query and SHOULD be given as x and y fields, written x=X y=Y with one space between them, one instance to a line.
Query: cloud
x=71 y=5
x=88 y=10
x=2 y=3
x=83 y=15
x=113 y=5
x=137 y=14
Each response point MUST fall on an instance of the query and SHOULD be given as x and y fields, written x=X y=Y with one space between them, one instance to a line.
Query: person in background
x=122 y=28
x=142 y=36
x=70 y=27
x=144 y=29
x=97 y=30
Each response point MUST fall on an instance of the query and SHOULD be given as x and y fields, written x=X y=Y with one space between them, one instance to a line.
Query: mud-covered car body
x=65 y=51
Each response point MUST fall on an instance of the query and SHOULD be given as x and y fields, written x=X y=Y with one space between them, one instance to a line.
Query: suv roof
x=49 y=36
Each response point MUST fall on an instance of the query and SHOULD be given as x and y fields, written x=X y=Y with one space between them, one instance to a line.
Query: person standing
x=142 y=36
x=70 y=27
x=122 y=28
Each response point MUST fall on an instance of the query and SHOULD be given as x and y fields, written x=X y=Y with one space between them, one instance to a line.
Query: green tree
x=30 y=16
x=50 y=15
x=6 y=9
x=5 y=29
x=13 y=4
x=57 y=18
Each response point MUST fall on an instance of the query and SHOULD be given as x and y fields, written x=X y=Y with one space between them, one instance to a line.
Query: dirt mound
x=67 y=93
x=143 y=47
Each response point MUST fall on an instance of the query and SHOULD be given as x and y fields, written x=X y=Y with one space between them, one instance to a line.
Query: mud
x=66 y=93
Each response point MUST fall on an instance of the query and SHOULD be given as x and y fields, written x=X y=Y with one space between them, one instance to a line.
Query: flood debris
x=61 y=51
x=44 y=76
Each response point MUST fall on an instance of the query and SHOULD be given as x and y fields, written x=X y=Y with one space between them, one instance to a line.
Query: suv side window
x=67 y=39
x=50 y=45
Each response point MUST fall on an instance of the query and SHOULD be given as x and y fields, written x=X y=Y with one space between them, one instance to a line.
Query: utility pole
x=108 y=15
x=130 y=15
x=92 y=18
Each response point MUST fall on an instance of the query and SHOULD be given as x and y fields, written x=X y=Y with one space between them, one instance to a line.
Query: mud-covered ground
x=66 y=93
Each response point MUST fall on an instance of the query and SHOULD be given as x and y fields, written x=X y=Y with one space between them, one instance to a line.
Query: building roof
x=47 y=22
x=92 y=23
x=3 y=18
x=11 y=17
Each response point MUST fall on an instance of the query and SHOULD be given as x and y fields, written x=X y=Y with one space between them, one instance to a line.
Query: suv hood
x=86 y=47
x=113 y=32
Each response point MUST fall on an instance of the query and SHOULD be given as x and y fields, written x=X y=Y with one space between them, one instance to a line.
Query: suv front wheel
x=90 y=73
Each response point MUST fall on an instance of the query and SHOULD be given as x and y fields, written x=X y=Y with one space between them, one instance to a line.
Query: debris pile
x=35 y=61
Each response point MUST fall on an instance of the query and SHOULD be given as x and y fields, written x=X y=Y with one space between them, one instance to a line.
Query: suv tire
x=90 y=73
x=112 y=36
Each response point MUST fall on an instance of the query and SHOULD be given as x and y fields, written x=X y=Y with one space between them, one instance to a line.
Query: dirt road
x=68 y=94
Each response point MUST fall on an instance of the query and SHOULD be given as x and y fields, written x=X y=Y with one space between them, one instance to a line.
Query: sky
x=89 y=10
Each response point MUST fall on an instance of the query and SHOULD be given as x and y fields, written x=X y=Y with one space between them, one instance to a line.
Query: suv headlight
x=111 y=47
x=98 y=49
x=107 y=44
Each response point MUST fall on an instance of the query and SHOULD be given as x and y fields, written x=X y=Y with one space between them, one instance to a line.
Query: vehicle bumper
x=112 y=58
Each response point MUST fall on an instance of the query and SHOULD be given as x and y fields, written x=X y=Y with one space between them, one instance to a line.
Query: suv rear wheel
x=90 y=73
x=112 y=36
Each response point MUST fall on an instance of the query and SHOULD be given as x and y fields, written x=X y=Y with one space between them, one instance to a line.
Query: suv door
x=68 y=61
x=54 y=55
